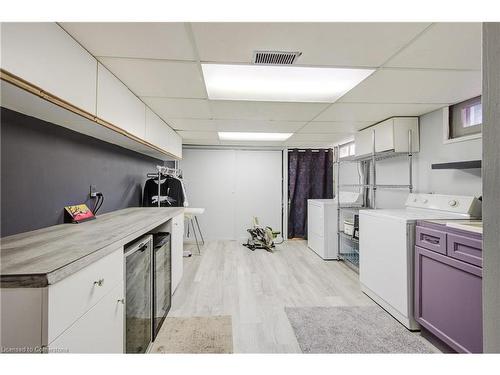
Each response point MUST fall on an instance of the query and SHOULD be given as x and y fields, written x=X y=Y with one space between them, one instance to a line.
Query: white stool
x=191 y=215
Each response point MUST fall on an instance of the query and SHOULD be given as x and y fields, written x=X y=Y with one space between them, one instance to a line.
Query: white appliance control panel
x=459 y=204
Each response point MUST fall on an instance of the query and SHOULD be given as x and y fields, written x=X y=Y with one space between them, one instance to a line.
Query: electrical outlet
x=93 y=191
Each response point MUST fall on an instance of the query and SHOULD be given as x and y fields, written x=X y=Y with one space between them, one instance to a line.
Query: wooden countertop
x=42 y=257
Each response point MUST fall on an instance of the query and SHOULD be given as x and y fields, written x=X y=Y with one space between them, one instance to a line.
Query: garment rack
x=164 y=171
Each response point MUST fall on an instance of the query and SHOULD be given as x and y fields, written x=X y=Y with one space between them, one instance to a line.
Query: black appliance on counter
x=162 y=279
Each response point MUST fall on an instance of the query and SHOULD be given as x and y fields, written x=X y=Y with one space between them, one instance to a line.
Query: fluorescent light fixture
x=280 y=83
x=246 y=136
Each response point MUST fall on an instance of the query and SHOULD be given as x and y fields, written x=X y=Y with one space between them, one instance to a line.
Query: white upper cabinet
x=157 y=131
x=46 y=56
x=390 y=135
x=175 y=144
x=161 y=135
x=118 y=105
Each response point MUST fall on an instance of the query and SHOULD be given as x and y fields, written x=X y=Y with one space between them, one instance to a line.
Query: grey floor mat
x=362 y=329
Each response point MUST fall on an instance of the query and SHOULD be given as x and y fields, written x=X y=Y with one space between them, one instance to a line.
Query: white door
x=209 y=179
x=258 y=190
x=233 y=186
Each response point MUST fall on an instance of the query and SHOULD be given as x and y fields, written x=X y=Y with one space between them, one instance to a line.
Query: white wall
x=234 y=186
x=427 y=180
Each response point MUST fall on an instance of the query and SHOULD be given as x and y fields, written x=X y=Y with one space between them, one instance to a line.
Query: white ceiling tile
x=416 y=86
x=258 y=125
x=198 y=135
x=193 y=124
x=277 y=111
x=334 y=127
x=339 y=44
x=158 y=40
x=370 y=112
x=178 y=108
x=158 y=77
x=443 y=45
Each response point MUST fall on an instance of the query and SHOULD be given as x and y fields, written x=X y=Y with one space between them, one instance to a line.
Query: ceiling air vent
x=275 y=57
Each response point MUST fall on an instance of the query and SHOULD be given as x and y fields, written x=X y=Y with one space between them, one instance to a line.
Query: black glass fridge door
x=162 y=283
x=138 y=297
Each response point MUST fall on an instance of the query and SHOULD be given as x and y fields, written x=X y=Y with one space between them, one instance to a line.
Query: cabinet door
x=364 y=142
x=384 y=136
x=157 y=131
x=175 y=144
x=448 y=300
x=177 y=250
x=100 y=330
x=43 y=54
x=401 y=127
x=118 y=105
x=71 y=298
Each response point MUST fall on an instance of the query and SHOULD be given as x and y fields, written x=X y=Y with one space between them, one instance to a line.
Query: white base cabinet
x=82 y=313
x=177 y=250
x=100 y=330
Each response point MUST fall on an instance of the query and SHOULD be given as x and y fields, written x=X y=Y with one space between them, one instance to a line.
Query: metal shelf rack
x=347 y=245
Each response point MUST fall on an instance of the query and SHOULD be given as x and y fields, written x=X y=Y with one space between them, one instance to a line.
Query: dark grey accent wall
x=45 y=167
x=491 y=187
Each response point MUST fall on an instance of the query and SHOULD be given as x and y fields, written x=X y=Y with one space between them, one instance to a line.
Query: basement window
x=465 y=119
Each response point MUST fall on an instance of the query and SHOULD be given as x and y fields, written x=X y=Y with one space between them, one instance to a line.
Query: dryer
x=322 y=223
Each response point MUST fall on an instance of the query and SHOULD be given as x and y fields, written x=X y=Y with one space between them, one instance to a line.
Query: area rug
x=362 y=329
x=212 y=334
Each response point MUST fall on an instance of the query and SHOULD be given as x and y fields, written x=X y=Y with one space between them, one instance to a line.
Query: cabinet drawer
x=100 y=330
x=70 y=298
x=431 y=239
x=466 y=249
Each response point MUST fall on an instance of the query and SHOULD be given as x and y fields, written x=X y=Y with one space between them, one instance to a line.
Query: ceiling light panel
x=280 y=83
x=245 y=136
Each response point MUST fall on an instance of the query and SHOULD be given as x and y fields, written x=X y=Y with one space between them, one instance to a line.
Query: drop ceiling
x=420 y=67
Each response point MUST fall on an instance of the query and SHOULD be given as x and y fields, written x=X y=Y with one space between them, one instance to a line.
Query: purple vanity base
x=448 y=285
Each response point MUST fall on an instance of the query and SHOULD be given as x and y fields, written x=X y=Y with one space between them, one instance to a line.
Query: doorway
x=234 y=186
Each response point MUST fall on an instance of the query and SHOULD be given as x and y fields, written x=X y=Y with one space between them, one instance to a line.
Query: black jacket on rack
x=171 y=194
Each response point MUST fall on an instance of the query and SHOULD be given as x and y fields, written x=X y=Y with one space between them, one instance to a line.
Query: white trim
x=446 y=130
x=284 y=201
x=463 y=138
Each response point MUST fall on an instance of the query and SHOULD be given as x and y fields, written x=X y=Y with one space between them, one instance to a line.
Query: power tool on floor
x=261 y=238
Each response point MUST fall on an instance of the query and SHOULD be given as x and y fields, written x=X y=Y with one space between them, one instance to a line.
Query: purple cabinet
x=448 y=286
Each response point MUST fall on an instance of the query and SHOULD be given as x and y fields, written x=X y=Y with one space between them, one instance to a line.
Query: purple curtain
x=310 y=176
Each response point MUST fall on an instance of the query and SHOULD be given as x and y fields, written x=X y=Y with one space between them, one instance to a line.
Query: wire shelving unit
x=348 y=245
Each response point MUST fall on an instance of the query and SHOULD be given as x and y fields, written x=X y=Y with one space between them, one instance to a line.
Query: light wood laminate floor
x=255 y=286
